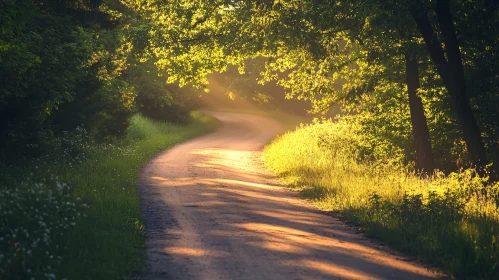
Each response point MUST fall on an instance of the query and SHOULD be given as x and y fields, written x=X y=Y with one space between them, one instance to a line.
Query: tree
x=450 y=68
x=63 y=64
x=422 y=142
x=326 y=52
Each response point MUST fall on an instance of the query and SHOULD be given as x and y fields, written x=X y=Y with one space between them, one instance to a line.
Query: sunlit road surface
x=212 y=212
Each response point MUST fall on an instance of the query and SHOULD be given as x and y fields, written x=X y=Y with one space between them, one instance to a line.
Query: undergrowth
x=74 y=214
x=446 y=220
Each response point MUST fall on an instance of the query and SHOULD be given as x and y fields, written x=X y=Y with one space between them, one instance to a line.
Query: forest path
x=212 y=212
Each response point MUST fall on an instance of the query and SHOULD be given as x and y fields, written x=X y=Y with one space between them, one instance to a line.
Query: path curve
x=212 y=212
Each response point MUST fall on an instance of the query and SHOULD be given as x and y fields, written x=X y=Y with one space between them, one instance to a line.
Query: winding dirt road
x=212 y=212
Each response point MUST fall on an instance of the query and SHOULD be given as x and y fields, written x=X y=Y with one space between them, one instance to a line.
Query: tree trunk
x=424 y=153
x=452 y=74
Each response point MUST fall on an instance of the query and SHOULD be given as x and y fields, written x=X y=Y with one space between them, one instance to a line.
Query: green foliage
x=455 y=228
x=34 y=218
x=155 y=99
x=41 y=60
x=325 y=52
x=480 y=60
x=66 y=64
x=112 y=105
x=446 y=220
x=75 y=213
x=337 y=52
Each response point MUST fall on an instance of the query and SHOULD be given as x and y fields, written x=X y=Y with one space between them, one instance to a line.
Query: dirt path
x=211 y=212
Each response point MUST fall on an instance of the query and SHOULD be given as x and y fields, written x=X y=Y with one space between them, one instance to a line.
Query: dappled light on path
x=212 y=212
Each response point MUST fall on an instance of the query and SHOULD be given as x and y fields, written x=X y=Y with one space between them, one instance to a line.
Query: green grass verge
x=445 y=221
x=76 y=215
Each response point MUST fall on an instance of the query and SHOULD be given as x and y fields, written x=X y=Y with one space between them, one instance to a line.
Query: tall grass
x=447 y=221
x=75 y=214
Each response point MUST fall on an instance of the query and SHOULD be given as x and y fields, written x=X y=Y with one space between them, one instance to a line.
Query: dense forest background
x=69 y=64
x=87 y=64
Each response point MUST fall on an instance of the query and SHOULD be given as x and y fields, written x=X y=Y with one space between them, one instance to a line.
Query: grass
x=76 y=215
x=444 y=221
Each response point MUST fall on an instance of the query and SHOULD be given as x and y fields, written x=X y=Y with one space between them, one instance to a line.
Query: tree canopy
x=356 y=53
x=420 y=75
